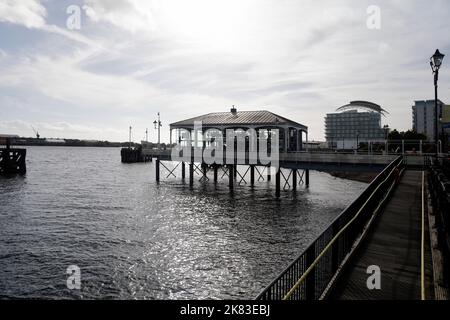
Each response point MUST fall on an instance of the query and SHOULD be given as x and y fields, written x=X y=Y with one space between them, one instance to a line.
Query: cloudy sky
x=133 y=58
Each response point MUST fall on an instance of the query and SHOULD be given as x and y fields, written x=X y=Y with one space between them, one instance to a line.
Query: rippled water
x=135 y=239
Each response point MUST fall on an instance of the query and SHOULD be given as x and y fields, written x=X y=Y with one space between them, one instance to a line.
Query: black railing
x=307 y=277
x=439 y=182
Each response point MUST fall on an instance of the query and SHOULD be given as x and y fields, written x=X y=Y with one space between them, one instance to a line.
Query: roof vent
x=233 y=110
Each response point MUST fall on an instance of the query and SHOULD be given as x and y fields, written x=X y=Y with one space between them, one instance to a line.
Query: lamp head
x=436 y=59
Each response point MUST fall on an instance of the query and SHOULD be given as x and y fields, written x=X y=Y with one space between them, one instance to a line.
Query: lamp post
x=130 y=138
x=158 y=126
x=435 y=63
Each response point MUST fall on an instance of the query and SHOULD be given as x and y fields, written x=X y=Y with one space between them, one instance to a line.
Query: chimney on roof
x=233 y=110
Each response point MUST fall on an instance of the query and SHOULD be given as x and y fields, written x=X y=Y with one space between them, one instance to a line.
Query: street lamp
x=158 y=125
x=435 y=63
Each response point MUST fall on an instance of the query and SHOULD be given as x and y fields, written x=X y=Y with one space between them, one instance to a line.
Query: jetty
x=12 y=160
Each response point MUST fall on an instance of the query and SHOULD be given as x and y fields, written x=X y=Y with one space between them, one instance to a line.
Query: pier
x=271 y=147
x=12 y=160
x=395 y=231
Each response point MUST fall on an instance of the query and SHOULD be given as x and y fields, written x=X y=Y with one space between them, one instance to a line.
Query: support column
x=204 y=169
x=294 y=179
x=191 y=174
x=252 y=175
x=183 y=170
x=269 y=173
x=277 y=183
x=215 y=172
x=231 y=170
x=306 y=141
x=307 y=178
x=157 y=169
x=286 y=139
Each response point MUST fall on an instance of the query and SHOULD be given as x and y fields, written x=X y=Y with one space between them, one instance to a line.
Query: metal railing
x=439 y=185
x=307 y=277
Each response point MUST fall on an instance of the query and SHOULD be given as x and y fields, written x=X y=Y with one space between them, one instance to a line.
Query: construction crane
x=36 y=133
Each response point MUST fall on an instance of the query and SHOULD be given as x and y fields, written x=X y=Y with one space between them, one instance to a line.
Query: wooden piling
x=231 y=173
x=215 y=172
x=204 y=170
x=252 y=175
x=183 y=170
x=307 y=178
x=269 y=174
x=191 y=174
x=294 y=179
x=157 y=169
x=277 y=183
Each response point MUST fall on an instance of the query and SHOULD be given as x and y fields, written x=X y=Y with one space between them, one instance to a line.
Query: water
x=133 y=239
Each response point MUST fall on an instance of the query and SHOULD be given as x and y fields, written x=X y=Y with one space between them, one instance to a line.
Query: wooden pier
x=394 y=244
x=12 y=160
x=133 y=155
x=380 y=247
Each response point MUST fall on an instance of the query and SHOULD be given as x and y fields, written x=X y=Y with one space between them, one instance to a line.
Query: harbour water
x=134 y=239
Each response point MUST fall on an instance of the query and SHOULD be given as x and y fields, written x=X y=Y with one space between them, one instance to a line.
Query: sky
x=119 y=62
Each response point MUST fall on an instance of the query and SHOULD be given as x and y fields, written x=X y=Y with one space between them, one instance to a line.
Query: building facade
x=348 y=128
x=423 y=118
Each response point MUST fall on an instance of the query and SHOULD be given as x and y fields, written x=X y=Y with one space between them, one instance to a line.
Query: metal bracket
x=286 y=179
x=170 y=171
x=243 y=177
x=260 y=173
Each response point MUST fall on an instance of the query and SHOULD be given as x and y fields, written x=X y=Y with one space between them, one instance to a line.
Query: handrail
x=315 y=283
x=422 y=247
x=333 y=240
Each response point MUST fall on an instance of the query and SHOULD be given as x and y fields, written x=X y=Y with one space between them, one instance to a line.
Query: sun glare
x=210 y=23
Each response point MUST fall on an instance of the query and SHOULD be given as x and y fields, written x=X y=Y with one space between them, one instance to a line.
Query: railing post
x=311 y=277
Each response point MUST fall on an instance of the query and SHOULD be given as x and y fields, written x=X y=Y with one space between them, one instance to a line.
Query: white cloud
x=131 y=15
x=183 y=58
x=30 y=13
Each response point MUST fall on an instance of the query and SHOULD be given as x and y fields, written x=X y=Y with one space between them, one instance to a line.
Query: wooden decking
x=394 y=244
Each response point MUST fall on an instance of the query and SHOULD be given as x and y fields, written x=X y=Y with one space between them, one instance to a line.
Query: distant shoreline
x=44 y=142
